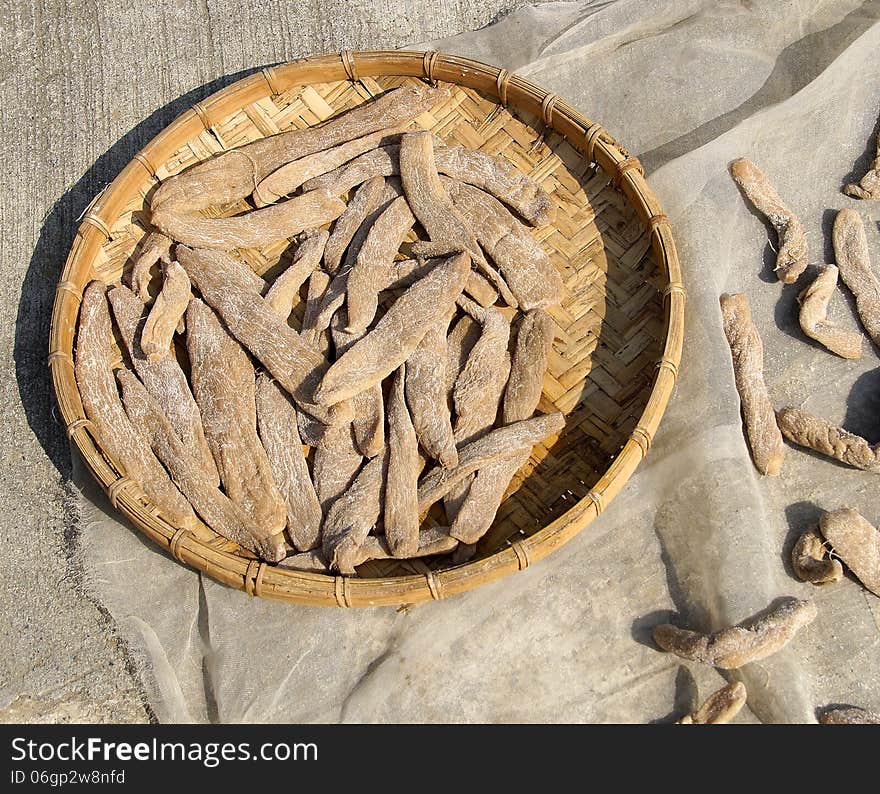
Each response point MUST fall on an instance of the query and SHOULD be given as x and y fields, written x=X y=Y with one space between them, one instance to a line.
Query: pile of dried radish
x=432 y=399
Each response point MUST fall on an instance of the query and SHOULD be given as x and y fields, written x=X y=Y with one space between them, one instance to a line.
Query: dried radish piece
x=284 y=291
x=807 y=430
x=791 y=260
x=488 y=172
x=459 y=343
x=110 y=424
x=720 y=707
x=857 y=542
x=220 y=513
x=480 y=289
x=529 y=365
x=224 y=386
x=492 y=447
x=397 y=334
x=369 y=405
x=869 y=185
x=316 y=337
x=391 y=191
x=365 y=200
x=234 y=174
x=294 y=364
x=429 y=202
x=480 y=385
x=480 y=506
x=851 y=251
x=735 y=646
x=336 y=463
x=500 y=178
x=163 y=379
x=813 y=316
x=374 y=267
x=409 y=271
x=289 y=177
x=810 y=560
x=472 y=517
x=477 y=395
x=156 y=248
x=401 y=516
x=381 y=162
x=166 y=313
x=277 y=426
x=747 y=350
x=524 y=266
x=426 y=395
x=432 y=541
x=252 y=229
x=850 y=716
x=352 y=516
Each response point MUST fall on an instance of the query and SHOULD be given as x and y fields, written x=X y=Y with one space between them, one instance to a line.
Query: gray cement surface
x=83 y=87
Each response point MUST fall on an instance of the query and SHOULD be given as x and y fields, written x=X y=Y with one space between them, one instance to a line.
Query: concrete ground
x=83 y=86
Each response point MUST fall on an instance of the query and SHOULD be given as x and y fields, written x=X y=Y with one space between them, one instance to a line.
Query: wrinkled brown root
x=720 y=707
x=811 y=562
x=791 y=260
x=747 y=350
x=735 y=646
x=857 y=542
x=814 y=321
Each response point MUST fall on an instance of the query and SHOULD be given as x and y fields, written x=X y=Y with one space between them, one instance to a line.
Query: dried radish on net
x=720 y=707
x=857 y=542
x=811 y=562
x=851 y=251
x=791 y=260
x=813 y=316
x=850 y=716
x=111 y=425
x=747 y=351
x=869 y=185
x=733 y=647
x=807 y=430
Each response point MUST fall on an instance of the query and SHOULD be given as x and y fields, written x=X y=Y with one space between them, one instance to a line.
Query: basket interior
x=610 y=321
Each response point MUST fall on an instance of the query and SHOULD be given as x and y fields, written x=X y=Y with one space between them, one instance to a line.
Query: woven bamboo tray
x=613 y=365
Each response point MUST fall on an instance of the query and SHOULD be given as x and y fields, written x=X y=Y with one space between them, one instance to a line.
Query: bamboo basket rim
x=258 y=578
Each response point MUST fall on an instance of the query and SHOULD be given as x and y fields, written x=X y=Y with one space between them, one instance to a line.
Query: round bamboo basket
x=614 y=361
